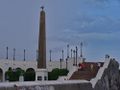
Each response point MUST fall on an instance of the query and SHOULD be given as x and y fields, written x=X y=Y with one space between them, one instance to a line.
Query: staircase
x=83 y=75
x=86 y=74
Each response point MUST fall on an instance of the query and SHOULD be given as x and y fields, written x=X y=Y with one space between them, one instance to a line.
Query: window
x=39 y=78
x=45 y=78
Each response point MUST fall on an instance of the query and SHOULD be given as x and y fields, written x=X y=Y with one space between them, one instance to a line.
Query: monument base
x=41 y=74
x=21 y=78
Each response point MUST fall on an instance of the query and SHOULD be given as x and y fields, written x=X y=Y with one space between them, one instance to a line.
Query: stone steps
x=85 y=74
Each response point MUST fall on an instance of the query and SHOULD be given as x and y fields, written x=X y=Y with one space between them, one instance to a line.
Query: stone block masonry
x=108 y=80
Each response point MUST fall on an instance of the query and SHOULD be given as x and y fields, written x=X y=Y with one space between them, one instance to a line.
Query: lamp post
x=76 y=55
x=71 y=53
x=62 y=55
x=68 y=51
x=6 y=52
x=14 y=50
x=81 y=46
x=24 y=54
x=66 y=63
x=50 y=54
x=60 y=63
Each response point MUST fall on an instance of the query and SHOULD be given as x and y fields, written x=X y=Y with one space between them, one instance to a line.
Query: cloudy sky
x=96 y=23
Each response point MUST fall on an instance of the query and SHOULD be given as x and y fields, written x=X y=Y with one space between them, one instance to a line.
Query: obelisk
x=42 y=41
x=41 y=71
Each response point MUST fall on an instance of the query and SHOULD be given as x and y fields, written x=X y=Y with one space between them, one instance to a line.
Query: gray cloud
x=97 y=28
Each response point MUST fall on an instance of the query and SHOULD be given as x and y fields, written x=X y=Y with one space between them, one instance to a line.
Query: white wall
x=5 y=64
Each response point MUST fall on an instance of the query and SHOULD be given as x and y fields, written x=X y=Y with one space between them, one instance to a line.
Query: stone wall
x=54 y=87
x=51 y=85
x=83 y=86
x=109 y=80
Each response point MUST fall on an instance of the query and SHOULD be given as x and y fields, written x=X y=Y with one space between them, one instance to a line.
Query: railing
x=100 y=73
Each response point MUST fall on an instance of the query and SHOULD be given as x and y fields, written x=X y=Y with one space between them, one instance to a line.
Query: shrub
x=13 y=74
x=55 y=73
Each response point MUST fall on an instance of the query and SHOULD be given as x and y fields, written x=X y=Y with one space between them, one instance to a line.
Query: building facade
x=5 y=64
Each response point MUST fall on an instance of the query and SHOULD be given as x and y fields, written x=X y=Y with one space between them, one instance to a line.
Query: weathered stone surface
x=110 y=79
x=7 y=88
x=82 y=86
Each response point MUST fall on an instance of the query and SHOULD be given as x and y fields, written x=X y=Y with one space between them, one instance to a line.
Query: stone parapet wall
x=55 y=87
x=51 y=85
x=100 y=72
x=109 y=80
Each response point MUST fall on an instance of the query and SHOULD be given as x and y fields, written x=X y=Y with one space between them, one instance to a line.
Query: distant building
x=25 y=65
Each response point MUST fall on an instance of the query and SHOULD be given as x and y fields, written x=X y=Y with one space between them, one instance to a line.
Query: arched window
x=29 y=74
x=1 y=75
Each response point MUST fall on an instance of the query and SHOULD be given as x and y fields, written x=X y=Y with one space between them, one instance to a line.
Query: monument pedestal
x=21 y=78
x=41 y=74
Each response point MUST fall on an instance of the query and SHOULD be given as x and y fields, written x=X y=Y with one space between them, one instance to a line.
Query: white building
x=26 y=65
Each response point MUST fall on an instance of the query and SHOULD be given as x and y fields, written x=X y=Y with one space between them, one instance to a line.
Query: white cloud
x=100 y=36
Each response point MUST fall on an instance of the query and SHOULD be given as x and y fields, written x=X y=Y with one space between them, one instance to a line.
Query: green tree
x=13 y=74
x=55 y=73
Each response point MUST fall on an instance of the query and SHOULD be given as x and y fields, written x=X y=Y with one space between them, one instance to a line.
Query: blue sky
x=94 y=22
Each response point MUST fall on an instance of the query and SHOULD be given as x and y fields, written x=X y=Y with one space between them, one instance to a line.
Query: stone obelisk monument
x=42 y=41
x=41 y=72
